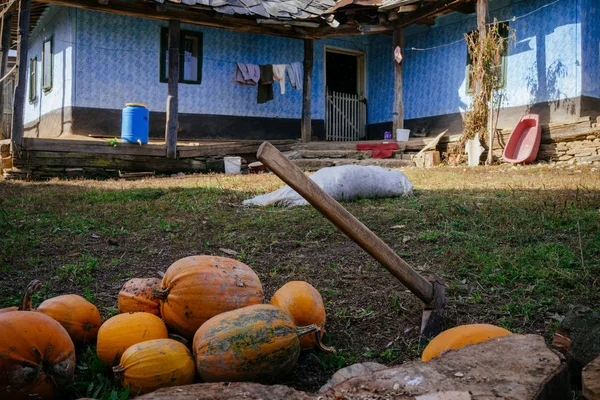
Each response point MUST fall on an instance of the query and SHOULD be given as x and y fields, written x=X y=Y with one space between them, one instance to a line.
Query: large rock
x=591 y=380
x=515 y=367
x=351 y=371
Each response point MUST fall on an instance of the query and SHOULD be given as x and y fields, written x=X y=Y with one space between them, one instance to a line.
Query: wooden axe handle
x=344 y=221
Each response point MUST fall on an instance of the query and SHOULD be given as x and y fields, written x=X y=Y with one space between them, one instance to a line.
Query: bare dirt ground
x=516 y=246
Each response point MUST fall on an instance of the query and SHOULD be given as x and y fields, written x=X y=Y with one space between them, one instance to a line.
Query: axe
x=430 y=292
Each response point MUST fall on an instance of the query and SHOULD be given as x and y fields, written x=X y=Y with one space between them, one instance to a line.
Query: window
x=32 y=79
x=190 y=56
x=504 y=32
x=47 y=65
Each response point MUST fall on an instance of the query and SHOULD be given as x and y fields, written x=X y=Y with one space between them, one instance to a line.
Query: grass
x=516 y=247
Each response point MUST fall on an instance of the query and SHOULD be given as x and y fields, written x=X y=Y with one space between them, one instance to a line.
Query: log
x=173 y=90
x=398 y=110
x=4 y=49
x=227 y=391
x=21 y=89
x=305 y=124
x=591 y=380
x=431 y=159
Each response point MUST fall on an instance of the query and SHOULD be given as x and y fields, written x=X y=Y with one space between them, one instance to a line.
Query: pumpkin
x=305 y=305
x=122 y=331
x=254 y=343
x=137 y=294
x=77 y=315
x=154 y=364
x=460 y=336
x=195 y=289
x=26 y=301
x=37 y=356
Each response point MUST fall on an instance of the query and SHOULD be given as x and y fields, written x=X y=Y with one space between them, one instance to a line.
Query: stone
x=591 y=380
x=591 y=137
x=351 y=371
x=516 y=367
x=226 y=391
x=564 y=158
x=591 y=158
x=577 y=338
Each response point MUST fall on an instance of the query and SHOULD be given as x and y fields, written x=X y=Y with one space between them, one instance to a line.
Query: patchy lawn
x=516 y=247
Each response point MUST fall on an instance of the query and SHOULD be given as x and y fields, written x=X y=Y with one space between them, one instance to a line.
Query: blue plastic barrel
x=135 y=125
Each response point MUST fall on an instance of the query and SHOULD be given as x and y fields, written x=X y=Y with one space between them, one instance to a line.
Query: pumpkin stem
x=118 y=372
x=27 y=299
x=306 y=330
x=179 y=338
x=161 y=294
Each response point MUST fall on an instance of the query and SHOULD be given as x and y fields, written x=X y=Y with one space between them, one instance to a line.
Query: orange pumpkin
x=154 y=364
x=77 y=315
x=195 y=289
x=26 y=301
x=305 y=305
x=122 y=331
x=460 y=336
x=254 y=343
x=137 y=294
x=37 y=356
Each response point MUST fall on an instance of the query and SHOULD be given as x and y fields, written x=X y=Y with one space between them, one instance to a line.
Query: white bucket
x=402 y=135
x=233 y=165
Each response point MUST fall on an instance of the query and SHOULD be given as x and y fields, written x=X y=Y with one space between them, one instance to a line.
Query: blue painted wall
x=55 y=23
x=590 y=40
x=115 y=60
x=543 y=65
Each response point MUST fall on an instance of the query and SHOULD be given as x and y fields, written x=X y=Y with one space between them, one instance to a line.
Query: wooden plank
x=9 y=8
x=4 y=49
x=20 y=91
x=305 y=125
x=173 y=87
x=223 y=150
x=83 y=146
x=398 y=111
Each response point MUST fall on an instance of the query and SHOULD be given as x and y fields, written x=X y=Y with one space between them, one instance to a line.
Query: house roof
x=275 y=9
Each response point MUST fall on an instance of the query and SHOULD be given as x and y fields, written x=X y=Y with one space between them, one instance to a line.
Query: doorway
x=345 y=106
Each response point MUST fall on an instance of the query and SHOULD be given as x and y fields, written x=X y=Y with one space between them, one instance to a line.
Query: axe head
x=432 y=322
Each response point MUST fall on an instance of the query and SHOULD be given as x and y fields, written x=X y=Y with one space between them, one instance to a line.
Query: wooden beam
x=21 y=89
x=4 y=49
x=398 y=111
x=305 y=124
x=173 y=97
x=197 y=15
x=9 y=8
x=483 y=18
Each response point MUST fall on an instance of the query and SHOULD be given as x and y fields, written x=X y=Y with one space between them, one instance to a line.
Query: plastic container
x=233 y=165
x=135 y=125
x=402 y=135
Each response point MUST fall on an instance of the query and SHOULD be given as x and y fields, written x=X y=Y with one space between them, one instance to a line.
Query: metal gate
x=345 y=117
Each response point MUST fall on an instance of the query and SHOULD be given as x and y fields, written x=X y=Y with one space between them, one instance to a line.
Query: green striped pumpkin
x=255 y=343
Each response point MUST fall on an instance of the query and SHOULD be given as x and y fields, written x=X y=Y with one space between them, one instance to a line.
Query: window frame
x=164 y=47
x=47 y=86
x=32 y=79
x=470 y=91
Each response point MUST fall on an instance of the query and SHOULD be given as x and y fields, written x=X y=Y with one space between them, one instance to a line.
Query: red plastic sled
x=524 y=141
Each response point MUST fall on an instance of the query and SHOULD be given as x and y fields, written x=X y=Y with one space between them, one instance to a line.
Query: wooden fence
x=345 y=117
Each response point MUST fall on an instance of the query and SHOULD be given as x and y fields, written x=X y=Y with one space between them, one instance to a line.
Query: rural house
x=86 y=59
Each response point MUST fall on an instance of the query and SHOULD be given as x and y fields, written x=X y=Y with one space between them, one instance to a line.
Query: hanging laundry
x=265 y=84
x=246 y=74
x=294 y=72
x=279 y=75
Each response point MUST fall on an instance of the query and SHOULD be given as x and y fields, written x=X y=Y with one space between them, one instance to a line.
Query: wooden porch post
x=398 y=112
x=305 y=123
x=4 y=49
x=21 y=89
x=173 y=97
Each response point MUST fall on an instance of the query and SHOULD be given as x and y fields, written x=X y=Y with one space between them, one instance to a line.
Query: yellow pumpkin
x=254 y=343
x=460 y=336
x=305 y=305
x=122 y=331
x=195 y=289
x=77 y=315
x=154 y=364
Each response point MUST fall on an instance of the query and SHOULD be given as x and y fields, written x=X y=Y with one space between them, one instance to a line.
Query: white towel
x=279 y=75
